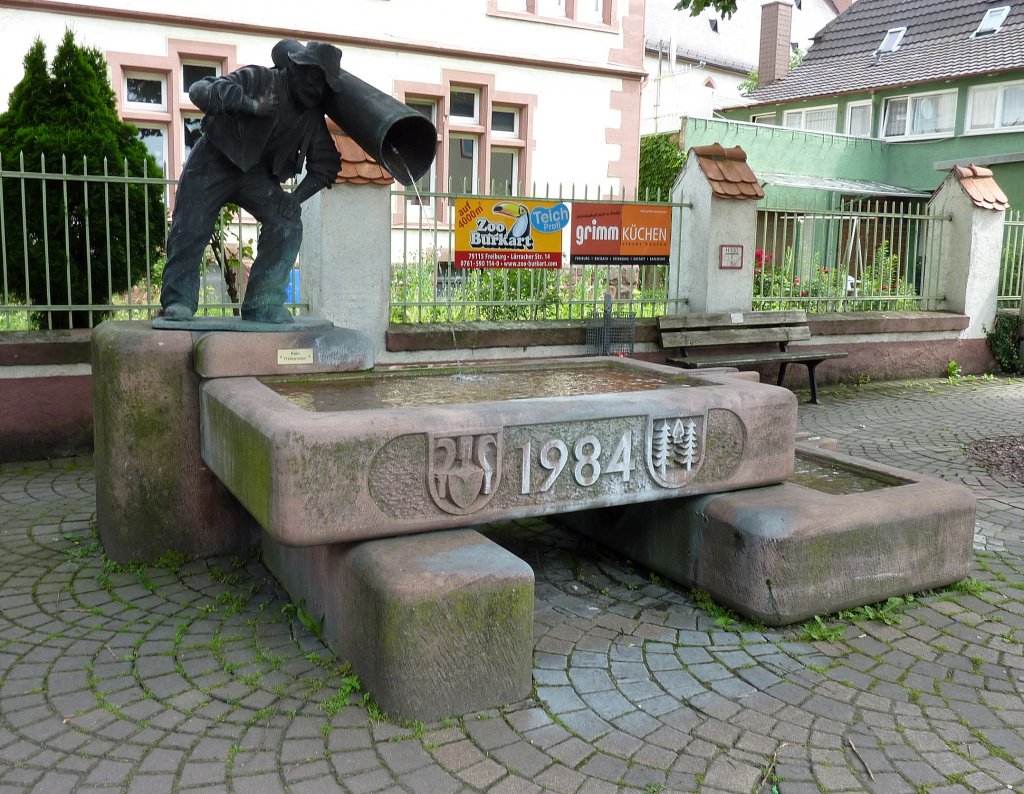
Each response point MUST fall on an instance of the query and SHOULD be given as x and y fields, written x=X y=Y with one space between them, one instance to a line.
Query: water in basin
x=403 y=388
x=833 y=478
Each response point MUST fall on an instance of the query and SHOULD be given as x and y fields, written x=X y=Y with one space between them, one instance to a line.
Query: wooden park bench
x=742 y=331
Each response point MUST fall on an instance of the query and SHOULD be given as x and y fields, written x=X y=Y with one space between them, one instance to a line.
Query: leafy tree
x=660 y=164
x=99 y=234
x=725 y=7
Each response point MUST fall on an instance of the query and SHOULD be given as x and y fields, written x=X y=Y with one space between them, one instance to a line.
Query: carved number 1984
x=553 y=457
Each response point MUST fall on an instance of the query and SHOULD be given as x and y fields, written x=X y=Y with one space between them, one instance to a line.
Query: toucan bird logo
x=521 y=214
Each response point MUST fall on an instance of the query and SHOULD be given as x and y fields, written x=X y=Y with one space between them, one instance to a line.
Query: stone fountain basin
x=342 y=459
x=842 y=532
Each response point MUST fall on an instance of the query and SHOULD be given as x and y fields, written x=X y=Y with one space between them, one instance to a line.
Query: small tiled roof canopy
x=978 y=183
x=727 y=172
x=357 y=167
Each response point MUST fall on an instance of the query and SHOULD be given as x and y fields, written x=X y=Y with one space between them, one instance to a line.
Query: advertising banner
x=620 y=234
x=493 y=232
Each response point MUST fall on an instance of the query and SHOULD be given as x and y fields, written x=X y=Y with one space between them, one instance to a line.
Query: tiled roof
x=978 y=183
x=937 y=46
x=357 y=167
x=727 y=172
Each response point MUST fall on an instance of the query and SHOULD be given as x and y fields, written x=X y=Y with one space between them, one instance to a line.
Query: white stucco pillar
x=345 y=258
x=712 y=269
x=963 y=257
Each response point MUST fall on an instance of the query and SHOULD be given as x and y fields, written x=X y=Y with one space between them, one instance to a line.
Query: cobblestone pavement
x=199 y=676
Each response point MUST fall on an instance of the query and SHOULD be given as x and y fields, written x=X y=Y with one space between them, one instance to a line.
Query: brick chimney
x=776 y=29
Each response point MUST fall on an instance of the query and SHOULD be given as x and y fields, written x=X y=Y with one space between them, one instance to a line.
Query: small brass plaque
x=295 y=355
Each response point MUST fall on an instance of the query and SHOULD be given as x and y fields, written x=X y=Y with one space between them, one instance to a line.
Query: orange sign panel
x=620 y=234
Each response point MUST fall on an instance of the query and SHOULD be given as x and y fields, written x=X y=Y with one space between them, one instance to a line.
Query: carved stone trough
x=362 y=455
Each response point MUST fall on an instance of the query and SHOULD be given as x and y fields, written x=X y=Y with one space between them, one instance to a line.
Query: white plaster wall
x=736 y=42
x=571 y=117
x=442 y=23
x=738 y=36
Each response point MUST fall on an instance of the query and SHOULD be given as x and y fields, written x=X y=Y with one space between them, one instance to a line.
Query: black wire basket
x=611 y=334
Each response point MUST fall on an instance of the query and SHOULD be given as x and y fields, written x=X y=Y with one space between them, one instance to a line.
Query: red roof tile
x=979 y=185
x=727 y=172
x=357 y=167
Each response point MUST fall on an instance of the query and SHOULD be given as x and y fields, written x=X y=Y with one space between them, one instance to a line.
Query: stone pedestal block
x=784 y=553
x=153 y=492
x=434 y=624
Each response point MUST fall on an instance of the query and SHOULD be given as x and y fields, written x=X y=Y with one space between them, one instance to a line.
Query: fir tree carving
x=686 y=445
x=661 y=446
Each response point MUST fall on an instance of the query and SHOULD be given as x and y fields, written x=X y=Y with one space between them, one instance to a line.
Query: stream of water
x=448 y=294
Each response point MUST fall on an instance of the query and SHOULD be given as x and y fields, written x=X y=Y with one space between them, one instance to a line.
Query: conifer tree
x=61 y=119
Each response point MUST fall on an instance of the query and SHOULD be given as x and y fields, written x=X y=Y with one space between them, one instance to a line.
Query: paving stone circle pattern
x=200 y=676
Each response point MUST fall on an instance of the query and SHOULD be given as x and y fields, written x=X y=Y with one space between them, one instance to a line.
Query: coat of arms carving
x=463 y=471
x=675 y=449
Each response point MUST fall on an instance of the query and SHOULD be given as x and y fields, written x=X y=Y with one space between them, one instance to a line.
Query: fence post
x=1020 y=319
x=967 y=248
x=345 y=259
x=713 y=267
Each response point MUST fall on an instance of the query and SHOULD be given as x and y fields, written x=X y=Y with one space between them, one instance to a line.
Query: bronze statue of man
x=261 y=127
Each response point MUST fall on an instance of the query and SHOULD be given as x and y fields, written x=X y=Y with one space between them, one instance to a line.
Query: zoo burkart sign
x=509 y=233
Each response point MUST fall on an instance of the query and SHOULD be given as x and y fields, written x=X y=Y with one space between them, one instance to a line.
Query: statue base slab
x=240 y=325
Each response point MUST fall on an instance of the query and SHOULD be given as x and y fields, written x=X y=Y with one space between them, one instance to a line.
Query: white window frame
x=755 y=118
x=803 y=111
x=846 y=123
x=163 y=129
x=590 y=16
x=995 y=17
x=195 y=62
x=897 y=34
x=187 y=116
x=997 y=125
x=911 y=99
x=558 y=12
x=156 y=77
x=514 y=184
x=474 y=167
x=495 y=133
x=465 y=89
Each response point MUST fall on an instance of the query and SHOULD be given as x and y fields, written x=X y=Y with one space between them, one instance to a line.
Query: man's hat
x=316 y=53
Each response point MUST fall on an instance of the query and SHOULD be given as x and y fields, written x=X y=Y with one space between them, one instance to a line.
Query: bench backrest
x=732 y=328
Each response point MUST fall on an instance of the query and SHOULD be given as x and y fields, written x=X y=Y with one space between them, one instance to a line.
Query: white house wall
x=584 y=125
x=703 y=54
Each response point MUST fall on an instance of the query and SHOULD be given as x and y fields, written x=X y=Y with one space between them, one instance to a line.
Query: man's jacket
x=281 y=141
